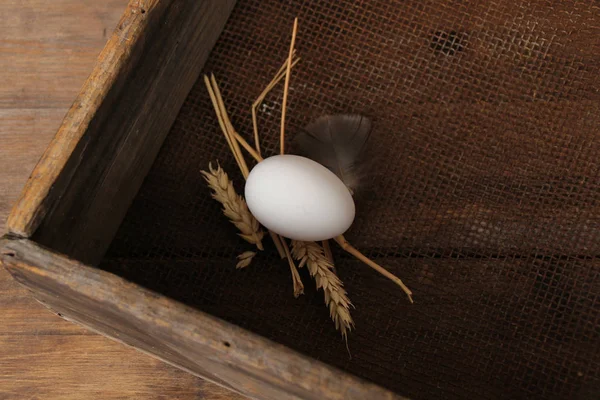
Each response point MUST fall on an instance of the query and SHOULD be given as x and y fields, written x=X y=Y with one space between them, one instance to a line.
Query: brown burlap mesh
x=483 y=195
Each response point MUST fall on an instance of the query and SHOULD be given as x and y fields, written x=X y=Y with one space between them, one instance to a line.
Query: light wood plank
x=48 y=48
x=45 y=357
x=24 y=134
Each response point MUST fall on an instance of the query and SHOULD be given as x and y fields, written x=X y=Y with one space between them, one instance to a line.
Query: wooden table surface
x=47 y=49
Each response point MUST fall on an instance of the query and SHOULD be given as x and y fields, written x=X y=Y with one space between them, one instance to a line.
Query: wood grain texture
x=47 y=49
x=103 y=85
x=108 y=140
x=24 y=134
x=180 y=335
x=44 y=357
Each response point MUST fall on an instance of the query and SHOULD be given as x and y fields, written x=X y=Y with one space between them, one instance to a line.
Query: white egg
x=299 y=198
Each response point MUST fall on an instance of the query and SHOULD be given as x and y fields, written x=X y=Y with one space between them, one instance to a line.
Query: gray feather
x=337 y=142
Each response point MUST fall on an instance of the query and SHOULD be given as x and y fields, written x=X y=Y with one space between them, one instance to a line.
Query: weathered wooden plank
x=111 y=135
x=101 y=87
x=48 y=48
x=182 y=336
x=24 y=134
x=45 y=357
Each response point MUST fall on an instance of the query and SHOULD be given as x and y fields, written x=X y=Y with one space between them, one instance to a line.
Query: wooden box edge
x=180 y=335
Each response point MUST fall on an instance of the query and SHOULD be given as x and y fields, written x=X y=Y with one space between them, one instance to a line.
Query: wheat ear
x=231 y=135
x=245 y=259
x=321 y=269
x=234 y=206
x=234 y=139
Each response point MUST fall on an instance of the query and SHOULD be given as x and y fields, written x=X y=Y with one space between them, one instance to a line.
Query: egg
x=299 y=198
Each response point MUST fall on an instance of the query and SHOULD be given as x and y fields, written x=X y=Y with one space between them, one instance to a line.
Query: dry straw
x=245 y=259
x=287 y=86
x=234 y=139
x=234 y=206
x=321 y=269
x=319 y=260
x=282 y=73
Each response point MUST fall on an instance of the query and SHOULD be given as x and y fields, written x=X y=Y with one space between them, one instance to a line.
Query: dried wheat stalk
x=230 y=134
x=234 y=140
x=336 y=298
x=319 y=260
x=328 y=252
x=245 y=259
x=254 y=109
x=344 y=244
x=234 y=206
x=287 y=86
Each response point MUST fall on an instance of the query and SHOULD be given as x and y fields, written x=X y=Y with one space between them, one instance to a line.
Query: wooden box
x=484 y=199
x=81 y=189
